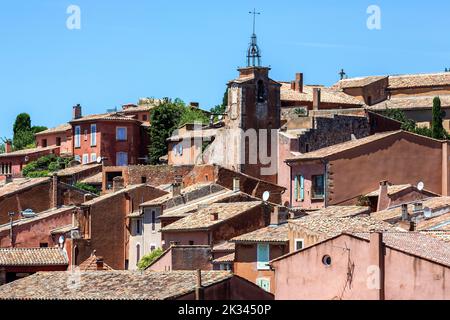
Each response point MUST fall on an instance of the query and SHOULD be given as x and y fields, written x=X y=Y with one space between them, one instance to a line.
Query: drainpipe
x=11 y=223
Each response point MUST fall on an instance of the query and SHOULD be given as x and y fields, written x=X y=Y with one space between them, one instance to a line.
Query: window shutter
x=263 y=256
x=296 y=188
x=302 y=188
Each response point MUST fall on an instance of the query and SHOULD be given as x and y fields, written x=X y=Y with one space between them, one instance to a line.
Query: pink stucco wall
x=307 y=171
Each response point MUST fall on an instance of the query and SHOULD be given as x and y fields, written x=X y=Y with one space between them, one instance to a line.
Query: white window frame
x=259 y=283
x=118 y=163
x=262 y=265
x=77 y=158
x=93 y=135
x=85 y=159
x=299 y=240
x=93 y=157
x=77 y=137
x=125 y=132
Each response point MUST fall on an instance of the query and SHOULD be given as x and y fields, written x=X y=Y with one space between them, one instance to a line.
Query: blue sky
x=189 y=49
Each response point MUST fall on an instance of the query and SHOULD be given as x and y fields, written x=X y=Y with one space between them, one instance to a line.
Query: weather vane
x=254 y=18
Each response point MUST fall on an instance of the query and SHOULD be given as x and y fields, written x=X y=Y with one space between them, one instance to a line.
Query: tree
x=225 y=98
x=192 y=115
x=436 y=125
x=24 y=133
x=45 y=165
x=164 y=120
x=22 y=123
x=148 y=259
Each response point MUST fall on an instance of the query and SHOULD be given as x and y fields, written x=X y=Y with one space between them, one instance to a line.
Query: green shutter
x=302 y=188
x=296 y=188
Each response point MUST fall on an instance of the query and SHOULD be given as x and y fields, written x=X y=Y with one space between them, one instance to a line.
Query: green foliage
x=437 y=129
x=363 y=201
x=86 y=187
x=192 y=115
x=24 y=133
x=44 y=166
x=2 y=147
x=225 y=98
x=300 y=112
x=37 y=129
x=149 y=258
x=23 y=140
x=22 y=123
x=164 y=120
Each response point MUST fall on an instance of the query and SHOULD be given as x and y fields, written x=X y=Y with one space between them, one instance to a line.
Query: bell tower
x=254 y=111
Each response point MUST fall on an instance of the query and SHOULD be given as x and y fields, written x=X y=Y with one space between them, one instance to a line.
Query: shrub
x=148 y=259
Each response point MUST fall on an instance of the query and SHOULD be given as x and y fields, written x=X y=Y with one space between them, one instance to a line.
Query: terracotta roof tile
x=113 y=116
x=112 y=285
x=202 y=218
x=26 y=152
x=90 y=264
x=20 y=185
x=411 y=103
x=78 y=169
x=224 y=246
x=61 y=128
x=32 y=257
x=340 y=211
x=277 y=233
x=392 y=189
x=94 y=179
x=419 y=80
x=225 y=259
x=357 y=82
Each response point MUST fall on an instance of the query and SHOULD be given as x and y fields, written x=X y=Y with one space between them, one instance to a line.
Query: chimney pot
x=383 y=197
x=8 y=146
x=316 y=98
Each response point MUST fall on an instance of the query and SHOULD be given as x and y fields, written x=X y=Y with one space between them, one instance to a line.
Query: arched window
x=261 y=92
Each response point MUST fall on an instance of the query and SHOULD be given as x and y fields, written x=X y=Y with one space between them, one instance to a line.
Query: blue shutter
x=302 y=188
x=296 y=188
x=263 y=257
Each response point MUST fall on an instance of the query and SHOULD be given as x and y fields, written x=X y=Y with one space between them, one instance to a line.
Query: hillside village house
x=323 y=177
x=60 y=136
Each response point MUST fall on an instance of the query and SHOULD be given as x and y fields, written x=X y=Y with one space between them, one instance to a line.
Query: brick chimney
x=118 y=183
x=298 y=83
x=316 y=98
x=383 y=198
x=199 y=290
x=194 y=105
x=8 y=146
x=76 y=112
x=177 y=186
x=214 y=216
x=376 y=252
x=99 y=263
x=55 y=190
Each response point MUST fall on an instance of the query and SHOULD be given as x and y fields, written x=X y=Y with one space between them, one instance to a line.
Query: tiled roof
x=113 y=116
x=225 y=259
x=357 y=82
x=26 y=152
x=224 y=246
x=90 y=264
x=61 y=128
x=95 y=179
x=419 y=80
x=443 y=235
x=340 y=211
x=327 y=95
x=416 y=243
x=411 y=103
x=112 y=194
x=32 y=257
x=392 y=189
x=77 y=169
x=112 y=285
x=435 y=204
x=202 y=133
x=20 y=185
x=184 y=209
x=337 y=148
x=328 y=226
x=63 y=229
x=142 y=108
x=274 y=233
x=201 y=220
x=439 y=222
x=39 y=216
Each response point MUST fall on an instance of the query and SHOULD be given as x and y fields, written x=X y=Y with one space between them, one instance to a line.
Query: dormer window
x=261 y=92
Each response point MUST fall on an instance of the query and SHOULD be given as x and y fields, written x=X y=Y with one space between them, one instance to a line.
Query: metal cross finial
x=342 y=74
x=254 y=18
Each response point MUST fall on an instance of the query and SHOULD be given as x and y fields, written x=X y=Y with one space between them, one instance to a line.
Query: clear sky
x=190 y=49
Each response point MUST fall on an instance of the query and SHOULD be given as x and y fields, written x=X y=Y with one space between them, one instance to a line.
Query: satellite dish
x=266 y=195
x=61 y=240
x=427 y=212
x=420 y=186
x=99 y=160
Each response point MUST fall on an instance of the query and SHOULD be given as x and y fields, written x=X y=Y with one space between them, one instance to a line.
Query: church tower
x=254 y=110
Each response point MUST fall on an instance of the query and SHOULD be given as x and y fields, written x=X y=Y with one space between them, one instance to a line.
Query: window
x=85 y=158
x=138 y=226
x=174 y=150
x=58 y=141
x=318 y=187
x=152 y=247
x=326 y=260
x=77 y=137
x=144 y=179
x=138 y=253
x=299 y=188
x=93 y=157
x=225 y=266
x=191 y=243
x=263 y=256
x=43 y=245
x=77 y=158
x=122 y=159
x=121 y=134
x=263 y=283
x=180 y=149
x=44 y=143
x=153 y=220
x=261 y=91
x=144 y=117
x=299 y=244
x=93 y=134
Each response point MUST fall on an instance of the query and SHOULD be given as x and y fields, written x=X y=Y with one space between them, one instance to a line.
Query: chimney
x=376 y=251
x=99 y=263
x=199 y=293
x=194 y=105
x=383 y=198
x=236 y=184
x=405 y=214
x=118 y=183
x=76 y=112
x=298 y=82
x=55 y=190
x=412 y=226
x=293 y=85
x=8 y=146
x=278 y=215
x=214 y=216
x=177 y=186
x=316 y=98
